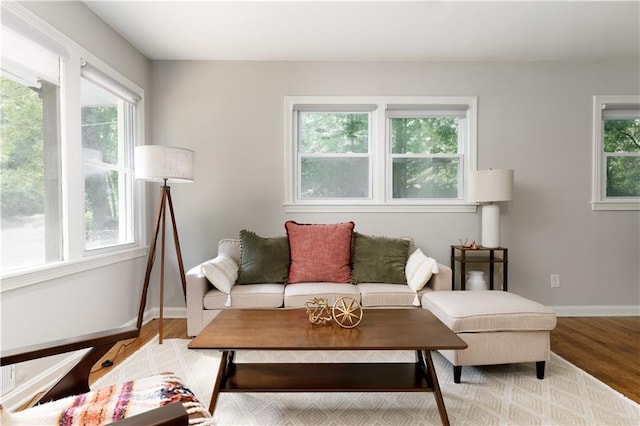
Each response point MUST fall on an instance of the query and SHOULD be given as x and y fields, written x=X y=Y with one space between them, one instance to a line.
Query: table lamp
x=491 y=186
x=156 y=163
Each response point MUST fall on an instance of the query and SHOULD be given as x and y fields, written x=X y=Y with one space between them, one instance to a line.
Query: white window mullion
x=73 y=164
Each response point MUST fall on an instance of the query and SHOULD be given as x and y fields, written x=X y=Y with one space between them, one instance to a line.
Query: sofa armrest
x=197 y=285
x=442 y=280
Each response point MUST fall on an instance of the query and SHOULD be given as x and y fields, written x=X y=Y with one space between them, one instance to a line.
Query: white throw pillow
x=222 y=272
x=419 y=270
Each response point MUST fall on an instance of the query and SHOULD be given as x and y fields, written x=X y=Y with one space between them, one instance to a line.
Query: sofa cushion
x=320 y=252
x=246 y=296
x=296 y=296
x=419 y=270
x=482 y=311
x=379 y=259
x=380 y=294
x=262 y=260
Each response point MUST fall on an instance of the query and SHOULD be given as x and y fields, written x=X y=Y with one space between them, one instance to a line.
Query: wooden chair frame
x=76 y=381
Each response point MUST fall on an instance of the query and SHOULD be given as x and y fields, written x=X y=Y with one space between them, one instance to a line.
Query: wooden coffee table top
x=290 y=329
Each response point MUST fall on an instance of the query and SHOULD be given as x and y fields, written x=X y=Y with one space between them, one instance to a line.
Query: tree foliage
x=623 y=171
x=100 y=140
x=335 y=133
x=423 y=176
x=22 y=160
x=425 y=150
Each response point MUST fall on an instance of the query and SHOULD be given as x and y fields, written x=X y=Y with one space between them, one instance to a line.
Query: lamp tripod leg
x=160 y=224
x=151 y=258
x=176 y=241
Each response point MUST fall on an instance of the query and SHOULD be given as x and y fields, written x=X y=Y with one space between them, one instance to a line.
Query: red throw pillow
x=320 y=252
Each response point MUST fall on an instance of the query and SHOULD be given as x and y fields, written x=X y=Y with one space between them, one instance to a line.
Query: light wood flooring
x=608 y=348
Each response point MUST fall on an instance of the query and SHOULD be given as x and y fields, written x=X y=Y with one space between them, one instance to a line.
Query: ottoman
x=499 y=328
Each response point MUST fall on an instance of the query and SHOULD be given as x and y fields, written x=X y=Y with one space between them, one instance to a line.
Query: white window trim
x=76 y=258
x=599 y=200
x=380 y=200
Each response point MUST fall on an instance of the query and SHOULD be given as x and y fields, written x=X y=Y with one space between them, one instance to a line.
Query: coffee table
x=289 y=329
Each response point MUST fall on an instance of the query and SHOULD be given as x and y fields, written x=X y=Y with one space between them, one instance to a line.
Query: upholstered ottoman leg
x=457 y=372
x=540 y=369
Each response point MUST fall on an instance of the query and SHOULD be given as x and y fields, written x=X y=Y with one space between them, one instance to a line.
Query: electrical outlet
x=555 y=280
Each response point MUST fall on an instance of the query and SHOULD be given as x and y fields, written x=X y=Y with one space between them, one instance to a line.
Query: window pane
x=424 y=135
x=622 y=135
x=334 y=132
x=29 y=176
x=99 y=123
x=623 y=177
x=425 y=177
x=101 y=215
x=335 y=177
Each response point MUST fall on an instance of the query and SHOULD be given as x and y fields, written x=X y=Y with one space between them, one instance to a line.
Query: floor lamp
x=491 y=186
x=156 y=163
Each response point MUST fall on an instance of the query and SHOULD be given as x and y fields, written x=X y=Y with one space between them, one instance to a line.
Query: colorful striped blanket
x=109 y=404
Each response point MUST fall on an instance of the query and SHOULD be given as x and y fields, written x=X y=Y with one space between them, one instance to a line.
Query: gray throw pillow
x=379 y=259
x=262 y=260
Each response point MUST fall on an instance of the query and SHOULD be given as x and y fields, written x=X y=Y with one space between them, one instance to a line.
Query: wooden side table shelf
x=460 y=254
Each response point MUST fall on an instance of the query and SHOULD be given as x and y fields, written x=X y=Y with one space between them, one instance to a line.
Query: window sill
x=380 y=208
x=21 y=279
x=615 y=205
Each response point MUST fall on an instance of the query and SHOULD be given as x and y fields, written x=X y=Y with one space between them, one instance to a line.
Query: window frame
x=75 y=258
x=599 y=199
x=380 y=154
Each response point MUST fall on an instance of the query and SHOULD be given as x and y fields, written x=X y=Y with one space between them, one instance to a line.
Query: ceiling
x=376 y=30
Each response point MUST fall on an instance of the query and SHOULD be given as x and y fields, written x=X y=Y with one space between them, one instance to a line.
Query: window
x=616 y=153
x=108 y=137
x=334 y=152
x=379 y=153
x=30 y=167
x=68 y=132
x=427 y=152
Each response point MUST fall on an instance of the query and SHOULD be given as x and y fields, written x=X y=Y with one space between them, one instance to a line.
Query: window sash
x=123 y=169
x=301 y=156
x=615 y=107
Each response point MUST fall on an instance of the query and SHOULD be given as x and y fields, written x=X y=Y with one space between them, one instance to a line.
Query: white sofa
x=204 y=301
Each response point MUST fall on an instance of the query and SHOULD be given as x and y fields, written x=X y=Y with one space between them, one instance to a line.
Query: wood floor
x=608 y=348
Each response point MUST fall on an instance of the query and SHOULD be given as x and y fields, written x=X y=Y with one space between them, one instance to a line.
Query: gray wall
x=534 y=117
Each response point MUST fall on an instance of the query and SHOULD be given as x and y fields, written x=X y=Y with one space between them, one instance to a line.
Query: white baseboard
x=597 y=311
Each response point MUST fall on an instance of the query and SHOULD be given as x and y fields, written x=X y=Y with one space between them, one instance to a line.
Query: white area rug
x=490 y=395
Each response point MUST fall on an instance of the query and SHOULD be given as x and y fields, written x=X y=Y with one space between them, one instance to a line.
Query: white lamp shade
x=158 y=163
x=487 y=186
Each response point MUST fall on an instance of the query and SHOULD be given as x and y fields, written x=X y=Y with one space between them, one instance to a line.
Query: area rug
x=490 y=395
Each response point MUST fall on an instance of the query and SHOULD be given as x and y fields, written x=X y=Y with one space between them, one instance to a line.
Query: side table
x=488 y=255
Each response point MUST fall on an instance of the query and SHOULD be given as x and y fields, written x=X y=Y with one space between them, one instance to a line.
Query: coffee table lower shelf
x=326 y=377
x=418 y=376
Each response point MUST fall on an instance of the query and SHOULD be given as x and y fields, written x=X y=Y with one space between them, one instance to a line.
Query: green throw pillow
x=262 y=260
x=379 y=259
